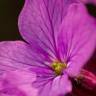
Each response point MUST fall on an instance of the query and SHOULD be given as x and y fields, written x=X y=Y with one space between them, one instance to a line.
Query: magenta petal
x=19 y=55
x=88 y=79
x=77 y=39
x=60 y=86
x=88 y=1
x=39 y=22
x=45 y=91
x=17 y=83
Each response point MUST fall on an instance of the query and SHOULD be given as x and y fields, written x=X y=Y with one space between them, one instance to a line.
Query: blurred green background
x=9 y=11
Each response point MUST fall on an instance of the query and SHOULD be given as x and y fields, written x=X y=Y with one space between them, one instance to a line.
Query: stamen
x=58 y=67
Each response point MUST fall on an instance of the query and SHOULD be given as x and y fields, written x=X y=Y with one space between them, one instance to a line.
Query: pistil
x=58 y=67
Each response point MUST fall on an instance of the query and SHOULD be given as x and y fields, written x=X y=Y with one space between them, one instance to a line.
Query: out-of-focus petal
x=77 y=39
x=39 y=22
x=88 y=1
x=19 y=55
x=58 y=87
x=18 y=83
x=84 y=85
x=88 y=79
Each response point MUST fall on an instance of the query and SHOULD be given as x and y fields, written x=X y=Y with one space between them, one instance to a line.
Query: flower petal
x=17 y=83
x=61 y=85
x=58 y=87
x=19 y=55
x=88 y=1
x=39 y=22
x=77 y=39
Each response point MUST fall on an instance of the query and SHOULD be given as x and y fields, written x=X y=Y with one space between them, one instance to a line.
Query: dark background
x=9 y=12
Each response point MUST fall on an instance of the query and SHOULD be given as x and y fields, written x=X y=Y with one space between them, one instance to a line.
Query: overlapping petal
x=17 y=83
x=39 y=22
x=18 y=54
x=15 y=76
x=58 y=87
x=61 y=85
x=77 y=38
x=18 y=57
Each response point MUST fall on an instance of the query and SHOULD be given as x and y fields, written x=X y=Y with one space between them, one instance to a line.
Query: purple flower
x=89 y=1
x=60 y=38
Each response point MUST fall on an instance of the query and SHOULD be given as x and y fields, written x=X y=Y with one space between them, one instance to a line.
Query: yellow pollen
x=58 y=67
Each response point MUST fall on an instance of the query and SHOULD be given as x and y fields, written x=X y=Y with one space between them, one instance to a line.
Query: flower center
x=58 y=67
